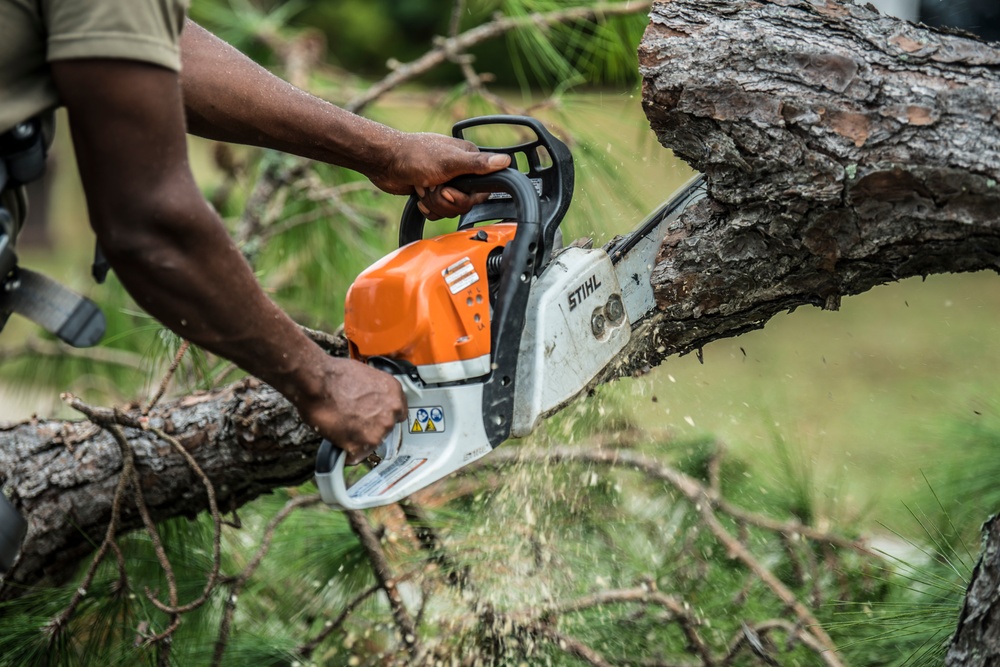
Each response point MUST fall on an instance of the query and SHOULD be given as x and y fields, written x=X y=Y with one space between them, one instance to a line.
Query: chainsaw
x=491 y=328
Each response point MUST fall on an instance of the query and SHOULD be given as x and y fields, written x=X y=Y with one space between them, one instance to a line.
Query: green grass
x=862 y=394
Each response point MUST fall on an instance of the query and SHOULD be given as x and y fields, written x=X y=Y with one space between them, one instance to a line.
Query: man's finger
x=481 y=163
x=450 y=202
x=495 y=162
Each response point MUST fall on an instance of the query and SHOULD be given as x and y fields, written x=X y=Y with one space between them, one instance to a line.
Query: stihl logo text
x=577 y=296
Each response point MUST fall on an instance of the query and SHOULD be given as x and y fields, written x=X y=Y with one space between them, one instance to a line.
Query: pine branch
x=165 y=382
x=58 y=349
x=447 y=49
x=701 y=498
x=237 y=583
x=60 y=623
x=387 y=581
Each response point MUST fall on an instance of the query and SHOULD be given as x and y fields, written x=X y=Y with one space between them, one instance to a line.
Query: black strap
x=61 y=311
x=73 y=318
x=100 y=268
x=8 y=258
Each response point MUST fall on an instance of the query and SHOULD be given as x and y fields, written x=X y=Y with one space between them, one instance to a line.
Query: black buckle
x=8 y=258
x=23 y=150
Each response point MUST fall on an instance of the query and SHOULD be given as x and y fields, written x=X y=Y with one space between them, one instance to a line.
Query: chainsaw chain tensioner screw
x=598 y=323
x=615 y=309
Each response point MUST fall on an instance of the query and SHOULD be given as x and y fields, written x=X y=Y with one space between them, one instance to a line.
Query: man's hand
x=359 y=407
x=423 y=161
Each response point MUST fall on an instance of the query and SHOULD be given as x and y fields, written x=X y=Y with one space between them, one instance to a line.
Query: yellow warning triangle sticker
x=416 y=427
x=430 y=426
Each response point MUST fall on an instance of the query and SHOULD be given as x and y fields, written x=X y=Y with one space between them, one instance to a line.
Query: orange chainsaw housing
x=428 y=302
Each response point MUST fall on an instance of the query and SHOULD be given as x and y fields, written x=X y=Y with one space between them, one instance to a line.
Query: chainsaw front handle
x=547 y=182
x=545 y=160
x=413 y=458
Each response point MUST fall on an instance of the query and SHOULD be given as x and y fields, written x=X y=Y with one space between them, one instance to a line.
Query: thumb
x=487 y=163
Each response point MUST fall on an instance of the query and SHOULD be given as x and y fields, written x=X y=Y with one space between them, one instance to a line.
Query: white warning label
x=385 y=476
x=427 y=420
x=537 y=182
x=460 y=275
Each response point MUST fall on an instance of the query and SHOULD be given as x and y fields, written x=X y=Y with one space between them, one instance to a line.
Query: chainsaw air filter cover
x=428 y=304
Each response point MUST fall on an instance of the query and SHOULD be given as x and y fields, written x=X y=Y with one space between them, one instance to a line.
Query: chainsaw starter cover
x=428 y=304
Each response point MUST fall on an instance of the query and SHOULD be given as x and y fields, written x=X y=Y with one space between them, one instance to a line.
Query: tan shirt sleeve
x=143 y=30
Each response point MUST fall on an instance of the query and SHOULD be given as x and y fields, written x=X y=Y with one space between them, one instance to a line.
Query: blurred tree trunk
x=842 y=150
x=977 y=641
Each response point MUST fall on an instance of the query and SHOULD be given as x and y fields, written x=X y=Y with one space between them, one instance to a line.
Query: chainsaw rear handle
x=416 y=458
x=330 y=461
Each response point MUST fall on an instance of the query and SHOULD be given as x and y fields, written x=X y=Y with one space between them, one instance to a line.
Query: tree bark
x=977 y=640
x=62 y=475
x=842 y=150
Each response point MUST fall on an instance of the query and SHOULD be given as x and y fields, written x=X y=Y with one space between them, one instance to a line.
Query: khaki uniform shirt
x=34 y=33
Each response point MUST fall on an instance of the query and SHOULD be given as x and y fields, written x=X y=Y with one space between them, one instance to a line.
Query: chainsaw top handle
x=548 y=166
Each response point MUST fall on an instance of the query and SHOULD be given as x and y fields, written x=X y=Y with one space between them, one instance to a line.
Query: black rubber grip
x=326 y=456
x=85 y=326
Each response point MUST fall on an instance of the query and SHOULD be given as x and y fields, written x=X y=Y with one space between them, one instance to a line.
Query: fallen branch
x=246 y=439
x=387 y=581
x=237 y=582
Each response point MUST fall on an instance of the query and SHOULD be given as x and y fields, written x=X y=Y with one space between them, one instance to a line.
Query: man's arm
x=176 y=259
x=228 y=97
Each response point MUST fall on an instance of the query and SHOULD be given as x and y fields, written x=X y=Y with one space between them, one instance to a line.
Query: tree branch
x=700 y=497
x=843 y=149
x=460 y=43
x=388 y=582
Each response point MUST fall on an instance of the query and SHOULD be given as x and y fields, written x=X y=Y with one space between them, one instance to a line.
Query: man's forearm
x=167 y=245
x=228 y=97
x=181 y=266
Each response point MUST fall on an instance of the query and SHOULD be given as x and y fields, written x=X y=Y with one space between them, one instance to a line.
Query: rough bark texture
x=842 y=150
x=977 y=640
x=63 y=475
